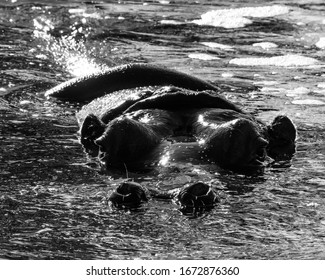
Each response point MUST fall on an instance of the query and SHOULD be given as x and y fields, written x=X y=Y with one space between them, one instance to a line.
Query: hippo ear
x=91 y=129
x=282 y=135
x=282 y=129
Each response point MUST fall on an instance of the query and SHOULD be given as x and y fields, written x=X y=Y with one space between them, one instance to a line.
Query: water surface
x=269 y=59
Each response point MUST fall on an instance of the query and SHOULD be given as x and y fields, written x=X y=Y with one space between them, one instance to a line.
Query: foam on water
x=283 y=60
x=297 y=91
x=218 y=46
x=227 y=75
x=203 y=56
x=266 y=83
x=240 y=17
x=82 y=12
x=321 y=43
x=268 y=89
x=171 y=22
x=265 y=45
x=308 y=102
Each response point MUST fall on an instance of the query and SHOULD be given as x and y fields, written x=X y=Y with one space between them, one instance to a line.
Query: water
x=53 y=199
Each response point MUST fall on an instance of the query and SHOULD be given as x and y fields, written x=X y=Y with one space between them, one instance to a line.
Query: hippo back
x=117 y=103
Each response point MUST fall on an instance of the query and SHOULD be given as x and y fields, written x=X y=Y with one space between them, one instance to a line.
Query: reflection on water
x=53 y=199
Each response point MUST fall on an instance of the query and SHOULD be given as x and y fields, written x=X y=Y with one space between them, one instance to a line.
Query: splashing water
x=236 y=18
x=66 y=50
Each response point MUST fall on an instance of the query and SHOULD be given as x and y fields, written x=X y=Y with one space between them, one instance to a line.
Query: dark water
x=53 y=198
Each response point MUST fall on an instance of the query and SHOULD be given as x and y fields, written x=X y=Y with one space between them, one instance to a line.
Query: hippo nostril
x=128 y=195
x=197 y=195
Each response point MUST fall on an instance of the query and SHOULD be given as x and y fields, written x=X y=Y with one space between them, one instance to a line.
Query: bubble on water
x=239 y=17
x=283 y=60
x=203 y=56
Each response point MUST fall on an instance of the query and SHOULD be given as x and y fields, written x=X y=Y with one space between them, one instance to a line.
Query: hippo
x=140 y=116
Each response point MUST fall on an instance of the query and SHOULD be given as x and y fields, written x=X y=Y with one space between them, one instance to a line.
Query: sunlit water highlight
x=53 y=197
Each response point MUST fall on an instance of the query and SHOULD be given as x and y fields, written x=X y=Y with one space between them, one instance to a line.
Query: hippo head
x=237 y=145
